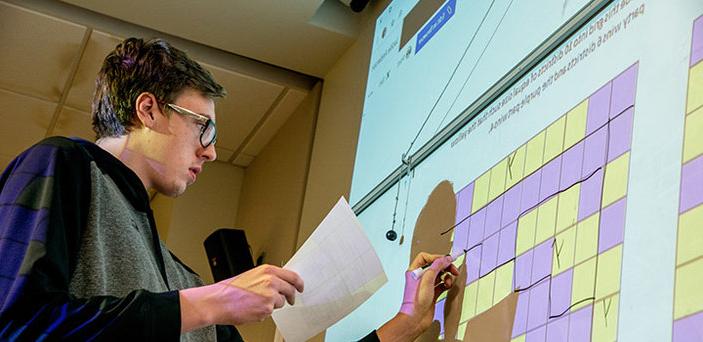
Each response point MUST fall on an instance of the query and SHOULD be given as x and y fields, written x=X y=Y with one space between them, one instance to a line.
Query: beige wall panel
x=25 y=121
x=99 y=45
x=246 y=102
x=290 y=101
x=207 y=205
x=272 y=195
x=223 y=154
x=74 y=123
x=5 y=160
x=243 y=160
x=38 y=52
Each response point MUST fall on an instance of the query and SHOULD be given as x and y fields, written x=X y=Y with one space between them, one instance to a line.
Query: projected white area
x=575 y=189
x=464 y=46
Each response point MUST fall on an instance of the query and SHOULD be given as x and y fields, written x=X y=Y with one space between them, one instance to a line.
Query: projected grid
x=547 y=221
x=688 y=302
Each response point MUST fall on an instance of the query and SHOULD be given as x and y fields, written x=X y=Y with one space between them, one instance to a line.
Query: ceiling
x=307 y=36
x=263 y=52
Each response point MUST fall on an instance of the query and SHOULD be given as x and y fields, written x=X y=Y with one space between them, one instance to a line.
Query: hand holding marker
x=418 y=272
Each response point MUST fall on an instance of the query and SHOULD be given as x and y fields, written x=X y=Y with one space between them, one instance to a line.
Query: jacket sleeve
x=44 y=199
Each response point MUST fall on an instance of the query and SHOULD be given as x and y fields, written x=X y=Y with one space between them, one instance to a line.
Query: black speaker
x=228 y=253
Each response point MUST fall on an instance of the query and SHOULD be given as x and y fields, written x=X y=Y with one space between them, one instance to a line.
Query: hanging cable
x=391 y=234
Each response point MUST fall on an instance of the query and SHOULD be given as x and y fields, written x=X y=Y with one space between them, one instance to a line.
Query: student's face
x=181 y=155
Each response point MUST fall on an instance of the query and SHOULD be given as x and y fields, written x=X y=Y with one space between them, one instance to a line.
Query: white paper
x=340 y=269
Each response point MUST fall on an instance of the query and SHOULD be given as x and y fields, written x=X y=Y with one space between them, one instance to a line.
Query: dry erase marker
x=418 y=272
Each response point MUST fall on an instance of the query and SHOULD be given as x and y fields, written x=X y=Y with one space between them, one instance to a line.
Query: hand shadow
x=438 y=214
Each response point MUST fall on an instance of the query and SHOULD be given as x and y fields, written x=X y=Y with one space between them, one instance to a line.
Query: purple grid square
x=580 y=325
x=620 y=134
x=539 y=302
x=530 y=191
x=550 y=179
x=560 y=297
x=624 y=86
x=439 y=314
x=473 y=262
x=537 y=335
x=558 y=329
x=697 y=43
x=571 y=165
x=520 y=323
x=511 y=204
x=506 y=248
x=594 y=151
x=464 y=200
x=461 y=235
x=691 y=184
x=612 y=225
x=478 y=220
x=489 y=254
x=523 y=270
x=494 y=211
x=589 y=198
x=689 y=328
x=542 y=260
x=598 y=107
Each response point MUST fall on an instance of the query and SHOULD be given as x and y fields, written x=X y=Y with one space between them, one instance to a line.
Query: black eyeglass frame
x=205 y=121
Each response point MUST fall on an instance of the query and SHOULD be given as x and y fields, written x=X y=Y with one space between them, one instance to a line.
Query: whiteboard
x=588 y=170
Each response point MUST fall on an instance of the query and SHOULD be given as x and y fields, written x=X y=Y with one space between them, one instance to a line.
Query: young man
x=81 y=256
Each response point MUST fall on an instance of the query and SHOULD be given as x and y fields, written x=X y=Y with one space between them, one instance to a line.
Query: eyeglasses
x=208 y=131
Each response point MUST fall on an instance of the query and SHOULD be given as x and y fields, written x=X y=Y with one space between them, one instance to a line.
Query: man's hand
x=417 y=311
x=249 y=297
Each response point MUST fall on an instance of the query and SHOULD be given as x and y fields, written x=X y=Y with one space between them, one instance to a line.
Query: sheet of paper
x=340 y=269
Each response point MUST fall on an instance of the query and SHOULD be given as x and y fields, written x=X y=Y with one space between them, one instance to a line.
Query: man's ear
x=145 y=106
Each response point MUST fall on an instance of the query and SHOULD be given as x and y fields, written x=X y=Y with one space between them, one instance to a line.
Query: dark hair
x=136 y=66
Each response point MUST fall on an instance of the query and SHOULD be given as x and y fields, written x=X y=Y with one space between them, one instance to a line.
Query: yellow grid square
x=567 y=215
x=468 y=304
x=546 y=220
x=461 y=332
x=485 y=292
x=587 y=238
x=563 y=257
x=608 y=272
x=695 y=88
x=615 y=181
x=693 y=139
x=554 y=139
x=520 y=338
x=516 y=166
x=575 y=124
x=534 y=153
x=687 y=294
x=498 y=174
x=459 y=261
x=481 y=187
x=526 y=227
x=690 y=235
x=605 y=319
x=583 y=283
x=504 y=282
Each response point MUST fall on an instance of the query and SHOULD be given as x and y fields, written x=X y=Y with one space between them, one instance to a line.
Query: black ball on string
x=391 y=235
